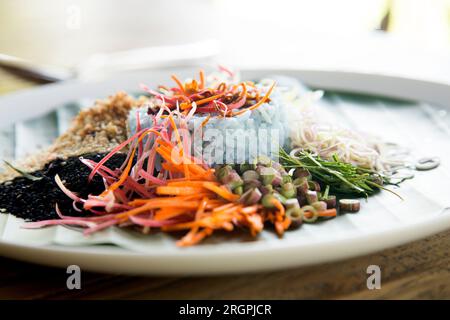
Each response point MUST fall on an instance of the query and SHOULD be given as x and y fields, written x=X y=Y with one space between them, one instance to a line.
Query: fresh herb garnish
x=22 y=173
x=342 y=177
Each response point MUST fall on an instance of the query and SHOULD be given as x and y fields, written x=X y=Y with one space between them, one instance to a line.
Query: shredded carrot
x=201 y=195
x=172 y=168
x=180 y=145
x=167 y=201
x=123 y=176
x=209 y=99
x=201 y=208
x=225 y=206
x=279 y=228
x=178 y=190
x=192 y=183
x=250 y=209
x=255 y=222
x=221 y=191
x=163 y=143
x=202 y=79
x=158 y=203
x=258 y=104
x=185 y=194
x=222 y=86
x=279 y=206
x=327 y=213
x=212 y=221
x=244 y=90
x=204 y=122
x=168 y=213
x=232 y=209
x=125 y=173
x=194 y=236
x=178 y=82
x=187 y=164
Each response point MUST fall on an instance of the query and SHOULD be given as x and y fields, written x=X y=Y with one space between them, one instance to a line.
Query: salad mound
x=163 y=183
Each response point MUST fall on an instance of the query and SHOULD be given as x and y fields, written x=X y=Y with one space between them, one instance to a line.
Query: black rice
x=35 y=200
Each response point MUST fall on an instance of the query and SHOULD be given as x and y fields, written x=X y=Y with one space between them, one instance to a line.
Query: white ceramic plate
x=383 y=222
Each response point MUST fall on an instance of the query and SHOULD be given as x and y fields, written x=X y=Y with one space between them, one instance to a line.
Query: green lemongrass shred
x=22 y=173
x=327 y=190
x=339 y=176
x=386 y=189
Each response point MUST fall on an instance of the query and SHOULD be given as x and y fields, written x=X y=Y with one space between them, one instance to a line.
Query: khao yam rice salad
x=197 y=156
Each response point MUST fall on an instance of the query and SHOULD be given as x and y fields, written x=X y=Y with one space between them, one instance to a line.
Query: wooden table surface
x=419 y=270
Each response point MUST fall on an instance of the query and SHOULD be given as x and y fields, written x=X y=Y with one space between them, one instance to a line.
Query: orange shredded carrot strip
x=192 y=86
x=281 y=222
x=213 y=203
x=195 y=168
x=188 y=164
x=222 y=86
x=213 y=222
x=204 y=122
x=287 y=223
x=255 y=223
x=328 y=213
x=189 y=238
x=209 y=99
x=163 y=201
x=177 y=167
x=258 y=104
x=178 y=82
x=250 y=209
x=164 y=143
x=166 y=149
x=279 y=228
x=126 y=172
x=185 y=105
x=172 y=168
x=180 y=145
x=168 y=213
x=202 y=195
x=279 y=206
x=194 y=237
x=135 y=211
x=225 y=206
x=201 y=208
x=202 y=178
x=224 y=193
x=202 y=79
x=192 y=183
x=158 y=204
x=230 y=210
x=123 y=176
x=244 y=90
x=178 y=190
x=166 y=156
x=180 y=226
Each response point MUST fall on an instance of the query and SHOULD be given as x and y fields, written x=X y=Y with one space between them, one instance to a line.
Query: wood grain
x=419 y=270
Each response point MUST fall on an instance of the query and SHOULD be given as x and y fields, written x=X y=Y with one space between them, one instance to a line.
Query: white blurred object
x=100 y=66
x=422 y=22
x=191 y=54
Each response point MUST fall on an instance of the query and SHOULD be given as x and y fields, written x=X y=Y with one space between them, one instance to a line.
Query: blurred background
x=410 y=37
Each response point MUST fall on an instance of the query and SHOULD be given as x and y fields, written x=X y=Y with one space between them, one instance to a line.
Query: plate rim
x=283 y=257
x=359 y=82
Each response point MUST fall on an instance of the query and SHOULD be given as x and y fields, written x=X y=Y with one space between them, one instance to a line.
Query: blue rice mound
x=242 y=138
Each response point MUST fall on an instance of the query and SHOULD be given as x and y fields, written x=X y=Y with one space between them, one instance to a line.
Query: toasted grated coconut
x=97 y=129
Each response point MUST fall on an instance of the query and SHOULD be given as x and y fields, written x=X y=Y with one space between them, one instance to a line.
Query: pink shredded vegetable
x=184 y=194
